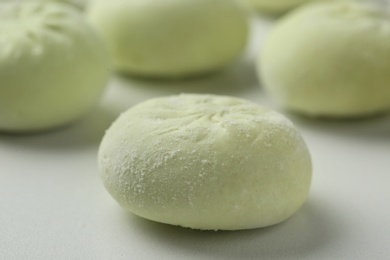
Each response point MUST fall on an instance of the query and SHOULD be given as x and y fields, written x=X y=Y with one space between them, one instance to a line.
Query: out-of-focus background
x=53 y=205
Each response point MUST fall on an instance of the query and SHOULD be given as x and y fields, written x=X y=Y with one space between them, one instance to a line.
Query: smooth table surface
x=54 y=206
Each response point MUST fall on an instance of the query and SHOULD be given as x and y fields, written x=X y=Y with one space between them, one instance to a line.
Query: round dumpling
x=206 y=162
x=171 y=38
x=330 y=59
x=53 y=66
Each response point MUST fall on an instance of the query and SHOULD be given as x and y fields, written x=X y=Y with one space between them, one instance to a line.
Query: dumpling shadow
x=233 y=80
x=375 y=127
x=302 y=235
x=84 y=133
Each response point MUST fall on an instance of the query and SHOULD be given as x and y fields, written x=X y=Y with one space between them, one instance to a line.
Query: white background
x=53 y=205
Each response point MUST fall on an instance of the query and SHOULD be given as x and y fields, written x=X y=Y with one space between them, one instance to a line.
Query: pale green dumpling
x=330 y=59
x=53 y=66
x=170 y=38
x=206 y=162
x=274 y=6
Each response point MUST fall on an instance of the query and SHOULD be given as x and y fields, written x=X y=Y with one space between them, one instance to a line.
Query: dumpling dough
x=206 y=162
x=53 y=66
x=274 y=6
x=330 y=59
x=171 y=38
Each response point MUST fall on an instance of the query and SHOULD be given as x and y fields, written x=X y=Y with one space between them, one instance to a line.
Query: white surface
x=53 y=205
